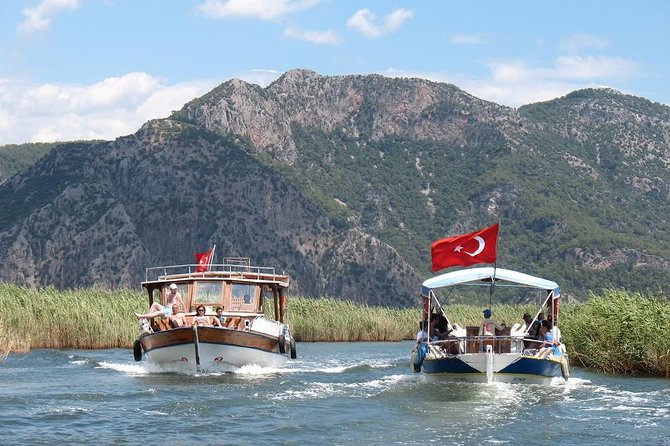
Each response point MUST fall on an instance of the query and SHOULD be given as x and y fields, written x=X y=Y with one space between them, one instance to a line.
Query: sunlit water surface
x=339 y=393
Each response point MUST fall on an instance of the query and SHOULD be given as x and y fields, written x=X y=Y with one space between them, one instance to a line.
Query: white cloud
x=104 y=110
x=39 y=17
x=576 y=42
x=319 y=37
x=107 y=109
x=518 y=82
x=364 y=21
x=253 y=9
x=592 y=67
x=467 y=39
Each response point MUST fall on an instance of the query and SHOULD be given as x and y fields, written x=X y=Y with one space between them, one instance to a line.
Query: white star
x=458 y=248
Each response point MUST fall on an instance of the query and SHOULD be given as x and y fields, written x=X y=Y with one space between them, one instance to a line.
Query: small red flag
x=204 y=259
x=466 y=249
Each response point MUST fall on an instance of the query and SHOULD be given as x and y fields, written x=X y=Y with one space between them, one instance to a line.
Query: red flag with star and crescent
x=465 y=250
x=204 y=260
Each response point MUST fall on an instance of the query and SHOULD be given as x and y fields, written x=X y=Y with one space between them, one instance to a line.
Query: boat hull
x=209 y=347
x=506 y=367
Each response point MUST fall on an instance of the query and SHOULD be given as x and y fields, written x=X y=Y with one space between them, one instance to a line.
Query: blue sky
x=83 y=69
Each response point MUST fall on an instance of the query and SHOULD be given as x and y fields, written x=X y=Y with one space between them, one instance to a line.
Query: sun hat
x=173 y=286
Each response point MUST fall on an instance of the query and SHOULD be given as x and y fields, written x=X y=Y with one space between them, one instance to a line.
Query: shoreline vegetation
x=614 y=332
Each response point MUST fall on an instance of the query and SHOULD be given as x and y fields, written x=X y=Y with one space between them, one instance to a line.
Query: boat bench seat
x=476 y=345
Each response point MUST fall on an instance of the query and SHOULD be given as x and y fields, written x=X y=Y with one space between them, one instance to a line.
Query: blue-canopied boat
x=511 y=354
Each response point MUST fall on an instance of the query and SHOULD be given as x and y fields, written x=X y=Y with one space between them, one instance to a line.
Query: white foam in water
x=133 y=369
x=390 y=381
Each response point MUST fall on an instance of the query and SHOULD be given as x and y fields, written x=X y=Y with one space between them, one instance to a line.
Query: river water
x=334 y=393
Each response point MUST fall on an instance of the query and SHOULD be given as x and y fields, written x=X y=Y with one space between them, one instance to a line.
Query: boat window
x=182 y=290
x=208 y=293
x=243 y=297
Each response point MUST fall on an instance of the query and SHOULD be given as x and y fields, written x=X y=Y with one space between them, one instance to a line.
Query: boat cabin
x=239 y=288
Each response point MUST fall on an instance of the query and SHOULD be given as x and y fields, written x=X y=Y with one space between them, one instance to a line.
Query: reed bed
x=620 y=332
x=616 y=332
x=327 y=319
x=49 y=318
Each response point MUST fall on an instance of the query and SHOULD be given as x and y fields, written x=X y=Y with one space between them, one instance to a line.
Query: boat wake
x=319 y=390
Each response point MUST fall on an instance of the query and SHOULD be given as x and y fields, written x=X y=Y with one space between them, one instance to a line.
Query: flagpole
x=495 y=267
x=211 y=258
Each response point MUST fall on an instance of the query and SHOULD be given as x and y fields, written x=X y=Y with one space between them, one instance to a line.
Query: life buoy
x=282 y=344
x=418 y=355
x=294 y=353
x=137 y=350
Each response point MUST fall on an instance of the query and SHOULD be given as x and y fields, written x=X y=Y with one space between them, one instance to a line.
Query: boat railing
x=243 y=268
x=477 y=344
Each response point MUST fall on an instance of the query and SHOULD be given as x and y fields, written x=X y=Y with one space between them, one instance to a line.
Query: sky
x=99 y=69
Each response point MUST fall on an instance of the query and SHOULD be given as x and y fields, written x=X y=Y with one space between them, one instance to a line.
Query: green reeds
x=620 y=332
x=49 y=318
x=327 y=319
x=617 y=332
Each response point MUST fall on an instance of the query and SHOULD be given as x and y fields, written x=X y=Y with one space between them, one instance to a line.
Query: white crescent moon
x=479 y=249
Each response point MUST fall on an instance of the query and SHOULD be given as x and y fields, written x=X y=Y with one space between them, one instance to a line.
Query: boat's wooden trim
x=210 y=335
x=236 y=337
x=167 y=338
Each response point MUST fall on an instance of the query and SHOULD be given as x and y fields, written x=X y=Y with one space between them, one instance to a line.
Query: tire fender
x=137 y=350
x=282 y=344
x=294 y=353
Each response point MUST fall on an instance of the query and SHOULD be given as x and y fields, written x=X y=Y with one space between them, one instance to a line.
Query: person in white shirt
x=422 y=335
x=489 y=325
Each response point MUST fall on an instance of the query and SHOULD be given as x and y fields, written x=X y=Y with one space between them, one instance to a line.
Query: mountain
x=16 y=157
x=343 y=182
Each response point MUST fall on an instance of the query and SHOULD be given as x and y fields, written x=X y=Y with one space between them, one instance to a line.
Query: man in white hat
x=173 y=297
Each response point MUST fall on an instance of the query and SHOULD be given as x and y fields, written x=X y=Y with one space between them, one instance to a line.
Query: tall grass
x=48 y=318
x=615 y=332
x=620 y=332
x=328 y=319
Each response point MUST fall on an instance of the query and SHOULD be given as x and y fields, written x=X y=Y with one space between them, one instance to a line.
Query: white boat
x=246 y=336
x=464 y=355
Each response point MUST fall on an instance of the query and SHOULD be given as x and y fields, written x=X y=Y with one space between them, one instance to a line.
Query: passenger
x=157 y=309
x=549 y=344
x=202 y=320
x=555 y=331
x=422 y=335
x=220 y=317
x=531 y=330
x=177 y=319
x=439 y=326
x=489 y=325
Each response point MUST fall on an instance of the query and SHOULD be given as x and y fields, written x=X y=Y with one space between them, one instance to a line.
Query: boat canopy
x=485 y=276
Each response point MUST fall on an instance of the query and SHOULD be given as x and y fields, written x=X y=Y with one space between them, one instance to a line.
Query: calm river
x=340 y=393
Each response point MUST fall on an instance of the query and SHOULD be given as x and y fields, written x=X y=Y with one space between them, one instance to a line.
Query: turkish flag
x=466 y=249
x=203 y=259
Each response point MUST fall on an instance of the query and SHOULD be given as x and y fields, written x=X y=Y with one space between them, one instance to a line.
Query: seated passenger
x=422 y=335
x=156 y=309
x=202 y=320
x=177 y=319
x=532 y=330
x=489 y=325
x=220 y=317
x=439 y=326
x=549 y=344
